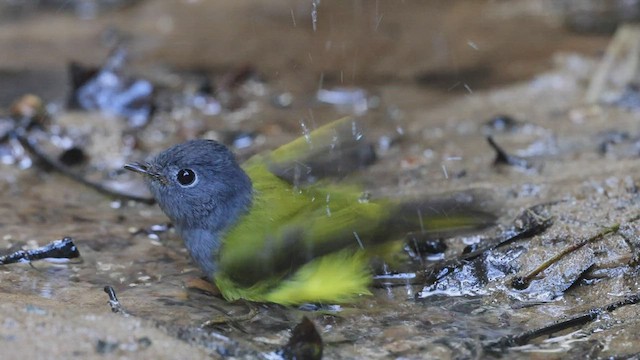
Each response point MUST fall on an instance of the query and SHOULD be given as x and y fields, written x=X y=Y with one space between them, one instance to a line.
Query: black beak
x=141 y=168
x=146 y=169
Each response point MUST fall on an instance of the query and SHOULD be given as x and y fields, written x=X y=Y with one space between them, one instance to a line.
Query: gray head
x=198 y=184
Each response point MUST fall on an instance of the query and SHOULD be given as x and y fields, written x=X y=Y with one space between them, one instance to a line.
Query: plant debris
x=58 y=249
x=530 y=222
x=522 y=282
x=108 y=89
x=73 y=156
x=578 y=320
x=502 y=157
x=114 y=303
x=305 y=342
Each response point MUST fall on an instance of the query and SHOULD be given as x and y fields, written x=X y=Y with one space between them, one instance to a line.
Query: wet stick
x=31 y=146
x=523 y=282
x=502 y=157
x=114 y=303
x=530 y=222
x=59 y=249
x=233 y=320
x=527 y=336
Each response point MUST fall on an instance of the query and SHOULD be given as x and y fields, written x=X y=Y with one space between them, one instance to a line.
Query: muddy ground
x=429 y=77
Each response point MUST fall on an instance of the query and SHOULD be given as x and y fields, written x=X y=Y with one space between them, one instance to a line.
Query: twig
x=523 y=282
x=114 y=303
x=527 y=336
x=625 y=41
x=233 y=320
x=64 y=170
x=502 y=157
x=529 y=223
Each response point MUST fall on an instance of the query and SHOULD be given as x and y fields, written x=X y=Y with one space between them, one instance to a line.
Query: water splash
x=352 y=100
x=314 y=14
x=358 y=240
x=306 y=132
x=328 y=209
x=356 y=131
x=293 y=18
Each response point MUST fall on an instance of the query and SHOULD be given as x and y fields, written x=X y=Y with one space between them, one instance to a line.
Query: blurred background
x=303 y=45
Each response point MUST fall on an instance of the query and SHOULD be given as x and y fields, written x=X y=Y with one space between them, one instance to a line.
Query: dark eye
x=186 y=177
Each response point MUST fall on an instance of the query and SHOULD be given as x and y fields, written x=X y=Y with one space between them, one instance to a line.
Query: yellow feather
x=335 y=278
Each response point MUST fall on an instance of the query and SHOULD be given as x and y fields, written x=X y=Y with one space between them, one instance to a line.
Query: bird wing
x=334 y=149
x=288 y=227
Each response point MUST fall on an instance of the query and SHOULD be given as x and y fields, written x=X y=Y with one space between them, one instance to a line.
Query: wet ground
x=425 y=78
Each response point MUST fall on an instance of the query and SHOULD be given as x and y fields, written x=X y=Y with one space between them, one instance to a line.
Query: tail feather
x=454 y=213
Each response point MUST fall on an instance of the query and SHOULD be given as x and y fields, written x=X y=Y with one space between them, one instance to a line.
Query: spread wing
x=335 y=149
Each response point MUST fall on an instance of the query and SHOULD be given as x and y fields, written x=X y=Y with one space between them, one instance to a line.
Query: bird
x=272 y=230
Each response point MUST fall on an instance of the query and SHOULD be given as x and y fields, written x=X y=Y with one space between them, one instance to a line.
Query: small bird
x=269 y=231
